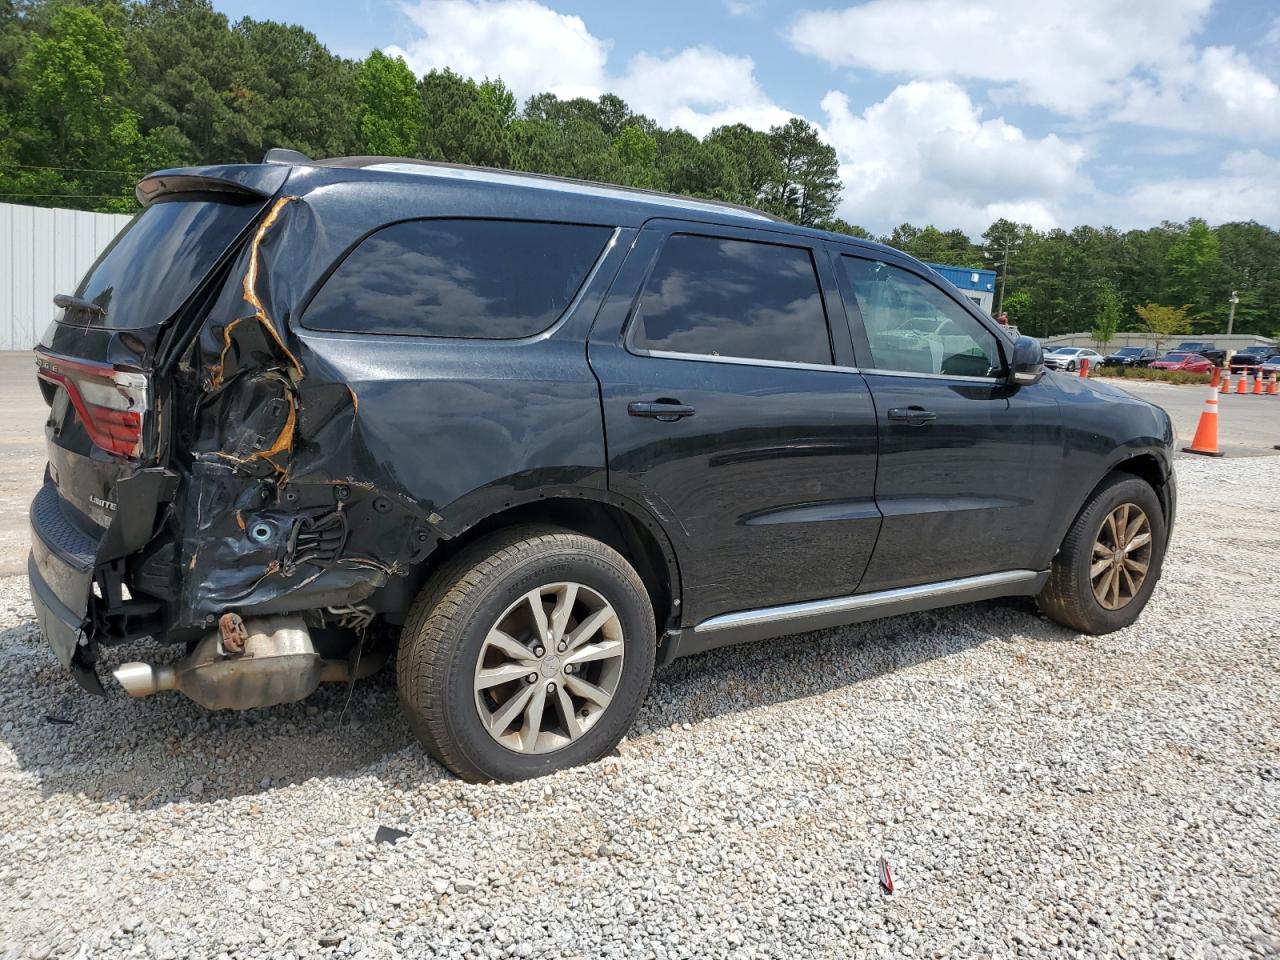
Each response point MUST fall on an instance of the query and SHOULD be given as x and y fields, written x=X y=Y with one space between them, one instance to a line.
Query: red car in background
x=1186 y=362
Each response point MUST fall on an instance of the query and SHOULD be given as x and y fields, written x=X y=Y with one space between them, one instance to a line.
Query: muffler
x=279 y=665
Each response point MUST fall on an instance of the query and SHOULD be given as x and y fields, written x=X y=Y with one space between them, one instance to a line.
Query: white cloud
x=925 y=154
x=698 y=89
x=533 y=48
x=744 y=8
x=1068 y=55
x=1219 y=91
x=1246 y=187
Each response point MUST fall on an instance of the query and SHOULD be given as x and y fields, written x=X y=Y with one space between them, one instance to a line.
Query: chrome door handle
x=912 y=416
x=665 y=410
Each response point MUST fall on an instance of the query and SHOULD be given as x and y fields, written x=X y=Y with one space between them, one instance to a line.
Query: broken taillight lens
x=111 y=403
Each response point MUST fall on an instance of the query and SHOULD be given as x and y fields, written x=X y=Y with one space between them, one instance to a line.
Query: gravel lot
x=1037 y=793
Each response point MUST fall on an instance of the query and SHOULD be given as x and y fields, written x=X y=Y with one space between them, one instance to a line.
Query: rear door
x=735 y=418
x=963 y=471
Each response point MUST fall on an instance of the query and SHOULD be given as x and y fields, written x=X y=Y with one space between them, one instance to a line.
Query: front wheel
x=1109 y=563
x=1071 y=365
x=529 y=652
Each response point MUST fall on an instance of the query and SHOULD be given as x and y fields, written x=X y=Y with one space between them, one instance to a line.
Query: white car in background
x=1069 y=358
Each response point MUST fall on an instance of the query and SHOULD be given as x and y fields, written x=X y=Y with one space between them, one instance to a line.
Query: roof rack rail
x=358 y=162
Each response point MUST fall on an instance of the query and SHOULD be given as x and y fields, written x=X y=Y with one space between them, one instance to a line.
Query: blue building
x=978 y=285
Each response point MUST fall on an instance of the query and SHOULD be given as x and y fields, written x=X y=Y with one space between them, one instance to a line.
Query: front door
x=963 y=477
x=734 y=419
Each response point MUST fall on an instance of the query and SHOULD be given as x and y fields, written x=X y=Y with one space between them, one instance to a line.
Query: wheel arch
x=613 y=520
x=1143 y=464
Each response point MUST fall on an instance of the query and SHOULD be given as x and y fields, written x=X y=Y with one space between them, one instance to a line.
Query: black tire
x=1068 y=595
x=444 y=634
x=1071 y=365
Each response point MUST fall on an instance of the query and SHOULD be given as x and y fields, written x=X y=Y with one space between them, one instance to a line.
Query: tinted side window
x=914 y=327
x=485 y=279
x=733 y=298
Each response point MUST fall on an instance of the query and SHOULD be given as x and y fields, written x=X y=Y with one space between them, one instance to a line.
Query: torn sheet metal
x=272 y=516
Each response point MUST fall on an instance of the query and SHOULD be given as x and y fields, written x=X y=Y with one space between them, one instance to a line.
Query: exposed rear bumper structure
x=60 y=569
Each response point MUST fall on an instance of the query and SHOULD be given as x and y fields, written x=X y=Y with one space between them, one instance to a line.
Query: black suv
x=532 y=436
x=1130 y=357
x=1207 y=350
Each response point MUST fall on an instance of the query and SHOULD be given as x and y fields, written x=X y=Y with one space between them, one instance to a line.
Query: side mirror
x=1026 y=364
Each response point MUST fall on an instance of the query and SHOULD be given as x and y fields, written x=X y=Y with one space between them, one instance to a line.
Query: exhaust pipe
x=144 y=679
x=279 y=665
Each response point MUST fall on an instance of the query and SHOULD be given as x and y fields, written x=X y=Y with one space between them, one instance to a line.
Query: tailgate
x=100 y=367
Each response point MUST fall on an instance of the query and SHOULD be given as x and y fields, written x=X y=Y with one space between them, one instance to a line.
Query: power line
x=72 y=196
x=40 y=166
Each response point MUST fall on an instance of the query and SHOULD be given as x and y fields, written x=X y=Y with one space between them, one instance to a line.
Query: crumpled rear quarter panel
x=386 y=444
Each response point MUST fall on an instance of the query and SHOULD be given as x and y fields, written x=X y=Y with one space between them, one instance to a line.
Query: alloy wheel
x=549 y=668
x=1121 y=556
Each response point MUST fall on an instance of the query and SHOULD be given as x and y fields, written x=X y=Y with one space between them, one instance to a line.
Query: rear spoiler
x=244 y=180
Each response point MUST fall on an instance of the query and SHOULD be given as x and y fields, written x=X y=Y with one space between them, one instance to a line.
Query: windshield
x=1176 y=357
x=1066 y=351
x=1128 y=352
x=158 y=260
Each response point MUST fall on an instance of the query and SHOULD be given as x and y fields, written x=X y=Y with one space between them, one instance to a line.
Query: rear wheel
x=1109 y=563
x=529 y=652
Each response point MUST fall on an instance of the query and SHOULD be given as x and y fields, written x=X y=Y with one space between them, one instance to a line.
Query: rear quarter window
x=473 y=279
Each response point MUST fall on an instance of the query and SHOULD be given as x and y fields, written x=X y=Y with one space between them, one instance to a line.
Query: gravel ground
x=1037 y=793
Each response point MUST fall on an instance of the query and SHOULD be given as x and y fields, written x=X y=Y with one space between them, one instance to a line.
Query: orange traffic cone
x=1205 y=442
x=1273 y=388
x=1257 y=384
x=1084 y=367
x=1226 y=378
x=1242 y=384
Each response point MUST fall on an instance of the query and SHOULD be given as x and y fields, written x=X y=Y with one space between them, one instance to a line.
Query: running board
x=765 y=622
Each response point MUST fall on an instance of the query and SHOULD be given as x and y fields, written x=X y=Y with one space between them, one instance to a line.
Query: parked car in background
x=530 y=437
x=1270 y=367
x=1205 y=349
x=1185 y=362
x=1130 y=357
x=1250 y=357
x=1070 y=358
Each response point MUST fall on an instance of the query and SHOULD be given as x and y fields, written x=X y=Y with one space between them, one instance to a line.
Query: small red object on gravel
x=886 y=878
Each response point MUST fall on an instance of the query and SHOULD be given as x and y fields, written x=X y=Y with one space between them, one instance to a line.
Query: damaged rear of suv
x=533 y=436
x=266 y=431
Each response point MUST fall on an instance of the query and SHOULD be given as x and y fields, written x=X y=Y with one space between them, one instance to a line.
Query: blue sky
x=1056 y=112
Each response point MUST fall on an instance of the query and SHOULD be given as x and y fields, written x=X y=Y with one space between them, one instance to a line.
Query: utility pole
x=1004 y=273
x=1003 y=264
x=1231 y=317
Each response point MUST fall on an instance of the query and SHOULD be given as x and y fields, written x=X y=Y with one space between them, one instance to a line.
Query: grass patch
x=1146 y=373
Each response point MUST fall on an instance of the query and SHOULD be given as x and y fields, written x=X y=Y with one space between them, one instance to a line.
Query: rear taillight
x=111 y=403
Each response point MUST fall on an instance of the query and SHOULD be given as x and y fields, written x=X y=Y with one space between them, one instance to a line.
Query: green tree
x=756 y=169
x=458 y=124
x=1195 y=275
x=638 y=153
x=836 y=225
x=1163 y=322
x=1250 y=255
x=810 y=186
x=300 y=95
x=1019 y=308
x=390 y=107
x=193 y=74
x=1108 y=314
x=495 y=95
x=73 y=116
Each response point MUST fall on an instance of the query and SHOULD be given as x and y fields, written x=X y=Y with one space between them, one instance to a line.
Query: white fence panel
x=44 y=251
